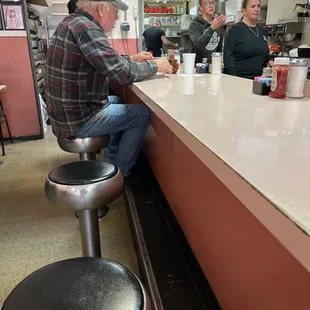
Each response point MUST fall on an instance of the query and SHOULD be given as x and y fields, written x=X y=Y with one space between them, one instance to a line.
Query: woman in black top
x=246 y=50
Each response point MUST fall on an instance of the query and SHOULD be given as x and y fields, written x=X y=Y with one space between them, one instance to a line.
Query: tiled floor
x=34 y=233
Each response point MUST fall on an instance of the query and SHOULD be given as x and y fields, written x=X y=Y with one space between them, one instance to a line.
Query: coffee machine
x=285 y=35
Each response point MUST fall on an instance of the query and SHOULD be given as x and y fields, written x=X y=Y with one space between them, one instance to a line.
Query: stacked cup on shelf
x=165 y=20
x=185 y=21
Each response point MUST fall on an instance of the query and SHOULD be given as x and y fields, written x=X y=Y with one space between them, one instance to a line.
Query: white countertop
x=266 y=141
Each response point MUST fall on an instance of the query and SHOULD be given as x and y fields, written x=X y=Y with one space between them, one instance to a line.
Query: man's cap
x=118 y=3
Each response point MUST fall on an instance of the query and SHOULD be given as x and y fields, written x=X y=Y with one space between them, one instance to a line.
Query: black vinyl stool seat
x=85 y=186
x=79 y=284
x=89 y=172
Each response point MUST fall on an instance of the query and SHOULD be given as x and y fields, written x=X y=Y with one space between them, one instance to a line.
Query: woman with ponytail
x=206 y=31
x=246 y=50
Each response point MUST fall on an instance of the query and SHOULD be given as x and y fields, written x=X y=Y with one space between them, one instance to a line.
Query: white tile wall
x=60 y=6
x=278 y=9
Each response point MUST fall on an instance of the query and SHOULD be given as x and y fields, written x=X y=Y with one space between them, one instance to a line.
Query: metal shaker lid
x=299 y=62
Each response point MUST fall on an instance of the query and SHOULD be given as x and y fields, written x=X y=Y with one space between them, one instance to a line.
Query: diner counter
x=266 y=141
x=235 y=167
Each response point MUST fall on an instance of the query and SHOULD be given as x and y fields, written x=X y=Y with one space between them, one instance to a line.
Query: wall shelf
x=165 y=3
x=170 y=22
x=163 y=14
x=164 y=25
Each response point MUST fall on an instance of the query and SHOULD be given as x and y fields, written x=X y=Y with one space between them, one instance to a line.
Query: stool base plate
x=101 y=212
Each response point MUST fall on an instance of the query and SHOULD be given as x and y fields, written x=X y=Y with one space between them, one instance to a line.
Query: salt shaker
x=216 y=63
x=297 y=76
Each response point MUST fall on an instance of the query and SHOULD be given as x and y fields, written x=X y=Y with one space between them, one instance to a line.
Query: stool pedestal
x=90 y=233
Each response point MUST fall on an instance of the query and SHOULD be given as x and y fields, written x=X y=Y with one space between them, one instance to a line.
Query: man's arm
x=126 y=57
x=101 y=55
x=165 y=40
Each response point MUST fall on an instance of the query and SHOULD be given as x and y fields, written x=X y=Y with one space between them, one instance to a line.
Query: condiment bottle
x=170 y=54
x=267 y=72
x=279 y=77
x=297 y=76
x=216 y=63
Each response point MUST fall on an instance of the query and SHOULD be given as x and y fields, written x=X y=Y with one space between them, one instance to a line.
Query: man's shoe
x=137 y=177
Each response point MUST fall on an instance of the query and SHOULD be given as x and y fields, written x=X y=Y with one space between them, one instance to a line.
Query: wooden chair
x=3 y=119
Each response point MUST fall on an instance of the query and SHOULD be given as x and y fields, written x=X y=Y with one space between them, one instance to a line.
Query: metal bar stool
x=80 y=284
x=87 y=149
x=85 y=186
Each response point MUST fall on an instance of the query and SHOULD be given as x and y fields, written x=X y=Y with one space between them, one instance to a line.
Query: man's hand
x=218 y=21
x=141 y=57
x=175 y=45
x=163 y=65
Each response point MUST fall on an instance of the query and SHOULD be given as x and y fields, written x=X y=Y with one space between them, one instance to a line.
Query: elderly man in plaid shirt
x=79 y=64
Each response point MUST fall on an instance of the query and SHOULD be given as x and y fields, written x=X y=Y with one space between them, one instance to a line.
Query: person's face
x=207 y=7
x=252 y=9
x=108 y=14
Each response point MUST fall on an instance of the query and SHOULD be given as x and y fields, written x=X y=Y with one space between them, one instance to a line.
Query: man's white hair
x=84 y=4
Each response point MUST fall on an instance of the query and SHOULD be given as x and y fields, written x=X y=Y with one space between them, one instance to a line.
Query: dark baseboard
x=24 y=138
x=168 y=267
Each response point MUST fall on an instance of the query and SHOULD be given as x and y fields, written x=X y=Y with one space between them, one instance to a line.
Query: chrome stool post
x=87 y=156
x=90 y=237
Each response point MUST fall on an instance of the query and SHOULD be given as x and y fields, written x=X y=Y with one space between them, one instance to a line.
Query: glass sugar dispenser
x=297 y=76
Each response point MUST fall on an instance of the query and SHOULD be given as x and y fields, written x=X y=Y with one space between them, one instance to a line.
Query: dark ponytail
x=244 y=4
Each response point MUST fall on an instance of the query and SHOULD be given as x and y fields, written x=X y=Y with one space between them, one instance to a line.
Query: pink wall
x=19 y=99
x=15 y=71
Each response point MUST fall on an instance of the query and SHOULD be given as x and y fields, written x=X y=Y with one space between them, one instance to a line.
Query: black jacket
x=205 y=40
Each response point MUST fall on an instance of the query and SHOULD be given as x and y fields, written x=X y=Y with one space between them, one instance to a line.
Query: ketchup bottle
x=280 y=70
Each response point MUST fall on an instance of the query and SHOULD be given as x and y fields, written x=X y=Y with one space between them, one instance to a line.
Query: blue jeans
x=115 y=99
x=126 y=125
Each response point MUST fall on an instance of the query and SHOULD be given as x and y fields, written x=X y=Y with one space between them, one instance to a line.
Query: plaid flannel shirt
x=79 y=64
